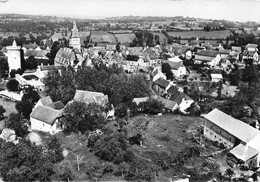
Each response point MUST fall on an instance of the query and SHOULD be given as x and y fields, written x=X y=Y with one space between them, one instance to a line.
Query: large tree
x=29 y=99
x=12 y=85
x=60 y=86
x=16 y=122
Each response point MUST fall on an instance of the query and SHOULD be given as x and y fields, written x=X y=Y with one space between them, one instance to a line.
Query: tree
x=113 y=148
x=4 y=67
x=152 y=106
x=80 y=117
x=31 y=63
x=166 y=69
x=64 y=170
x=24 y=162
x=54 y=49
x=12 y=85
x=29 y=99
x=2 y=111
x=16 y=122
x=118 y=47
x=54 y=146
x=60 y=86
x=97 y=169
x=229 y=173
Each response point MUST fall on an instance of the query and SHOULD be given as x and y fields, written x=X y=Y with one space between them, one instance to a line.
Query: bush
x=113 y=148
x=151 y=106
x=12 y=85
x=97 y=169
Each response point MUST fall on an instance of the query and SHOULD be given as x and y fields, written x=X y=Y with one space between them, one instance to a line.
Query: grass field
x=222 y=34
x=102 y=36
x=167 y=133
x=125 y=38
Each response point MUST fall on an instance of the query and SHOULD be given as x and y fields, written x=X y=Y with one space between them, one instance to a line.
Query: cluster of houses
x=232 y=133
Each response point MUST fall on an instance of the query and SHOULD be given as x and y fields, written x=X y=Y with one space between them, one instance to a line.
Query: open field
x=102 y=36
x=125 y=38
x=167 y=133
x=222 y=34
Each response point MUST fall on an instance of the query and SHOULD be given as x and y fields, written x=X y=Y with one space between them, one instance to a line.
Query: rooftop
x=235 y=127
x=45 y=114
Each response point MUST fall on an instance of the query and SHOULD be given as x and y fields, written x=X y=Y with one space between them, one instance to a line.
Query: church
x=73 y=56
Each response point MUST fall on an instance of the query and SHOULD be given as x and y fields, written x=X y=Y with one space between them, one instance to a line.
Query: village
x=104 y=105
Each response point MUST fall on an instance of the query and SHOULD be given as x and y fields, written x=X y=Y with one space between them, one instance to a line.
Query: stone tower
x=14 y=56
x=75 y=38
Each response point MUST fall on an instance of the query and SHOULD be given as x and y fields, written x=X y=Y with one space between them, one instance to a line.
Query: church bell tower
x=75 y=38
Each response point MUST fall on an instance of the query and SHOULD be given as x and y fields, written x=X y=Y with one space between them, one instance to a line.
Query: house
x=46 y=119
x=224 y=53
x=177 y=67
x=183 y=100
x=90 y=97
x=251 y=55
x=161 y=86
x=251 y=47
x=210 y=57
x=216 y=77
x=140 y=100
x=156 y=74
x=232 y=132
x=45 y=101
x=169 y=105
x=236 y=49
x=30 y=79
x=65 y=56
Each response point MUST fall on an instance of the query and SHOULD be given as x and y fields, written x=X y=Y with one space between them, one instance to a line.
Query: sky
x=235 y=10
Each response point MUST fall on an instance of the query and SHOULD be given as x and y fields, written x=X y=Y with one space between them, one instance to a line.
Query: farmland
x=102 y=36
x=125 y=38
x=222 y=34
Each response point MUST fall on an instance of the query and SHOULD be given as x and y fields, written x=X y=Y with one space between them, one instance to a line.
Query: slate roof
x=203 y=58
x=35 y=53
x=235 y=48
x=244 y=152
x=235 y=127
x=224 y=51
x=65 y=56
x=59 y=105
x=208 y=53
x=161 y=82
x=49 y=67
x=168 y=104
x=178 y=96
x=30 y=46
x=47 y=101
x=139 y=100
x=175 y=63
x=90 y=97
x=45 y=114
x=251 y=46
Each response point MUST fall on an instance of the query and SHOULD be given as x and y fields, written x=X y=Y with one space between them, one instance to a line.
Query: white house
x=232 y=132
x=46 y=119
x=215 y=77
x=177 y=67
x=183 y=100
x=158 y=74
